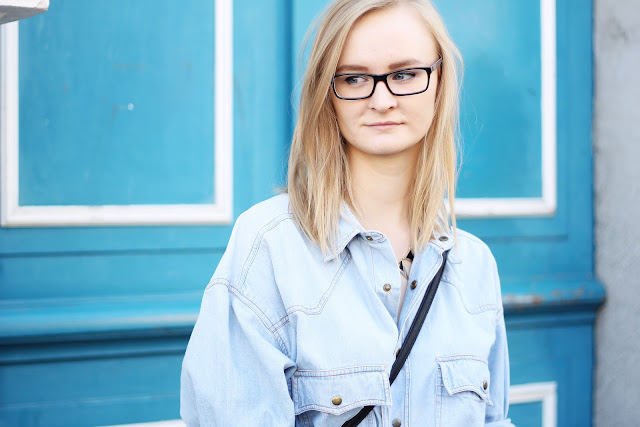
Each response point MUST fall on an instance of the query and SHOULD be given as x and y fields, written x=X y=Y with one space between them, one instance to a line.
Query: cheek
x=340 y=112
x=423 y=113
x=346 y=116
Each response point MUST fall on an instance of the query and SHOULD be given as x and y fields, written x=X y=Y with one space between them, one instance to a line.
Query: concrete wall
x=617 y=210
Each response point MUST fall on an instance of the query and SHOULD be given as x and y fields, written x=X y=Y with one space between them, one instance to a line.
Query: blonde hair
x=319 y=176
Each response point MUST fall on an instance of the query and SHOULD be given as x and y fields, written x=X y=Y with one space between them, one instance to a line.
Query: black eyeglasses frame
x=383 y=78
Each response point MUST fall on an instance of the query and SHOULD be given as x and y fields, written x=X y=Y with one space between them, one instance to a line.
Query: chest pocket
x=463 y=391
x=331 y=397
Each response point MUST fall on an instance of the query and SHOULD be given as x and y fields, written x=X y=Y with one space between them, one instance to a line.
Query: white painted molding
x=8 y=120
x=172 y=423
x=547 y=204
x=220 y=212
x=538 y=392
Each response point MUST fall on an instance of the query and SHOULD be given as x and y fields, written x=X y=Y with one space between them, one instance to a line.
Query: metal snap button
x=485 y=385
x=387 y=287
x=414 y=284
x=443 y=238
x=396 y=423
x=337 y=400
x=369 y=238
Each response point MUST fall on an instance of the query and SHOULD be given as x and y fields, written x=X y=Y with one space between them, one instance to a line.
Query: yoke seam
x=323 y=300
x=256 y=245
x=254 y=308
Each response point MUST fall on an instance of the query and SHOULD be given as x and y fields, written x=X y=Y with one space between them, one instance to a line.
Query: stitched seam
x=345 y=374
x=462 y=357
x=468 y=387
x=349 y=370
x=254 y=308
x=474 y=310
x=347 y=238
x=464 y=387
x=344 y=408
x=217 y=281
x=323 y=300
x=256 y=245
x=342 y=244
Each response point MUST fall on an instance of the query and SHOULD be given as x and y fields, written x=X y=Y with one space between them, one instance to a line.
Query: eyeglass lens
x=404 y=82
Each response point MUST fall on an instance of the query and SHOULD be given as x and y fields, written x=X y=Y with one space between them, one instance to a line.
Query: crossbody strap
x=414 y=330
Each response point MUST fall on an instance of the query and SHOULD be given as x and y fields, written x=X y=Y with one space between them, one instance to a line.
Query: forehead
x=387 y=36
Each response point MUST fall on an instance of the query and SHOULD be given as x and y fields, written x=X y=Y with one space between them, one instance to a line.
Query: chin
x=387 y=150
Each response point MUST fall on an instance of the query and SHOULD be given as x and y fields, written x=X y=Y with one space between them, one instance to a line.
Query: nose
x=382 y=99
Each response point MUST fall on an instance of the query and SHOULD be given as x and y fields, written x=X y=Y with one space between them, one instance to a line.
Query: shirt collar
x=443 y=240
x=349 y=227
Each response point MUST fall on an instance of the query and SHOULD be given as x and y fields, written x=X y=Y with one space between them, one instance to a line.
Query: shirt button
x=414 y=284
x=337 y=400
x=387 y=287
x=485 y=385
x=369 y=238
x=396 y=423
x=443 y=238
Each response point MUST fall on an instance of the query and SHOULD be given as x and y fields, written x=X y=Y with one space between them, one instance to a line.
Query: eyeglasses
x=403 y=82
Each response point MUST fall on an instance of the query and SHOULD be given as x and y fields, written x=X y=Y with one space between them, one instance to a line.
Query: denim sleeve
x=496 y=415
x=233 y=371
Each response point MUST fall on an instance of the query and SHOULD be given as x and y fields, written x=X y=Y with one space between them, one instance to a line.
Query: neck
x=380 y=186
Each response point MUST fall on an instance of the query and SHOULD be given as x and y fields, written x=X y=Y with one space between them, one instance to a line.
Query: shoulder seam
x=254 y=308
x=256 y=245
x=319 y=307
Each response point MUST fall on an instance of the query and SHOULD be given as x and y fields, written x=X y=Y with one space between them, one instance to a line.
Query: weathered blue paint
x=555 y=347
x=93 y=321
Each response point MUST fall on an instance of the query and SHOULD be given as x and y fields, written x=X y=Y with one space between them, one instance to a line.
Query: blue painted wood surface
x=526 y=414
x=132 y=120
x=94 y=320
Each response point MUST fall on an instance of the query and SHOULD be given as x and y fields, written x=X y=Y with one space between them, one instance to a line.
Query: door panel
x=132 y=121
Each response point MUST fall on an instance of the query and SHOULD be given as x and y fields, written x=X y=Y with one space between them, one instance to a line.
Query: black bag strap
x=414 y=330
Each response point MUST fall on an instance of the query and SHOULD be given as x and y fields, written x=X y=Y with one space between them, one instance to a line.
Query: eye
x=402 y=76
x=355 y=79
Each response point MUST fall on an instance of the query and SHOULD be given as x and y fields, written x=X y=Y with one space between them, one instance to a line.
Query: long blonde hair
x=319 y=176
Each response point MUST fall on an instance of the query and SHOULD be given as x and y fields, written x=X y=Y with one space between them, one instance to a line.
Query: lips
x=383 y=125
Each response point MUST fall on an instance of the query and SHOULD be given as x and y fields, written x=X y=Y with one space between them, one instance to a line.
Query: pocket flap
x=465 y=373
x=337 y=391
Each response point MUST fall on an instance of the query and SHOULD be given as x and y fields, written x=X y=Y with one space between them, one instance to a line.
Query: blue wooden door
x=134 y=133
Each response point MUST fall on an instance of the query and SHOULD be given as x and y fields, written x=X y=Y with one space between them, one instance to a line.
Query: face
x=385 y=124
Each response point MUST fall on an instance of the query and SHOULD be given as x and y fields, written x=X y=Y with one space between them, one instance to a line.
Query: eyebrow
x=393 y=66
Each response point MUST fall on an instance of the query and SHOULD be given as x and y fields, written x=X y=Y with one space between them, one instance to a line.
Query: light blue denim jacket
x=288 y=337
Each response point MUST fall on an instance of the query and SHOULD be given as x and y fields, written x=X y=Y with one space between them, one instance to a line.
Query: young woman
x=315 y=295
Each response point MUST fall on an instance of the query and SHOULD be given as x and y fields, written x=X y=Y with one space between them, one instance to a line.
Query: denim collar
x=349 y=227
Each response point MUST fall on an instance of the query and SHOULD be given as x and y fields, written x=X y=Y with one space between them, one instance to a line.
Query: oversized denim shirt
x=288 y=336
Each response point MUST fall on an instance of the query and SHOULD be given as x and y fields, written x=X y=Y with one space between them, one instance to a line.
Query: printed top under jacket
x=287 y=336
